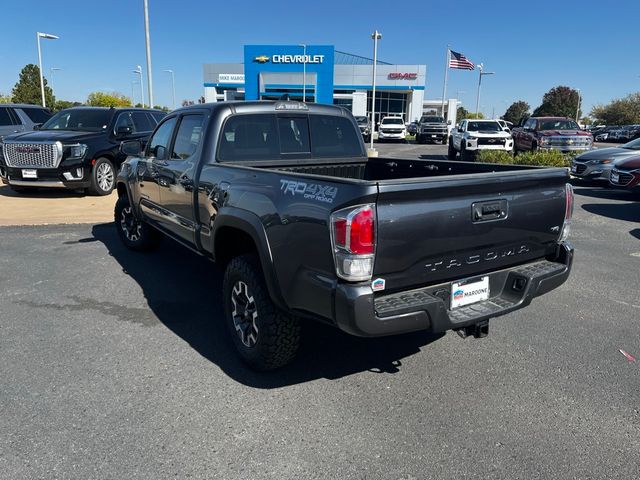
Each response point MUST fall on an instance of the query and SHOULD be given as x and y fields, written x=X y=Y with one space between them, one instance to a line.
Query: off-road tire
x=103 y=177
x=275 y=335
x=134 y=234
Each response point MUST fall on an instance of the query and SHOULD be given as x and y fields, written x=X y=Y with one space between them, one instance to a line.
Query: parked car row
x=77 y=148
x=615 y=166
x=616 y=133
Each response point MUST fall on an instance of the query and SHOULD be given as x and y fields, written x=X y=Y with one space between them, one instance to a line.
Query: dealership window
x=388 y=104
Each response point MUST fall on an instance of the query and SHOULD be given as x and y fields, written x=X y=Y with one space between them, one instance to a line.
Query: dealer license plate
x=471 y=291
x=433 y=136
x=615 y=178
x=29 y=173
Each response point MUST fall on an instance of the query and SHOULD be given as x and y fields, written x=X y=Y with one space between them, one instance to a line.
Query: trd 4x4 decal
x=310 y=191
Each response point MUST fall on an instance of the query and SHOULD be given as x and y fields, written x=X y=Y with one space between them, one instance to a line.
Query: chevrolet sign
x=290 y=59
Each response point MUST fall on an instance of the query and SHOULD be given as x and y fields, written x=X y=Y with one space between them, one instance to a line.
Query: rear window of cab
x=256 y=137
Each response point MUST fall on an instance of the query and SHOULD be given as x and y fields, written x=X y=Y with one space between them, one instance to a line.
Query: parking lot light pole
x=375 y=36
x=578 y=108
x=482 y=73
x=148 y=44
x=173 y=86
x=52 y=70
x=304 y=72
x=46 y=36
x=139 y=72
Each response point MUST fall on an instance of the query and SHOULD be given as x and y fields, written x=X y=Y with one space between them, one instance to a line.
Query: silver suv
x=16 y=118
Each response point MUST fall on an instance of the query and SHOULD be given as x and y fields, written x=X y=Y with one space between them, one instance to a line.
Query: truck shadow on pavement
x=5 y=191
x=183 y=290
x=628 y=212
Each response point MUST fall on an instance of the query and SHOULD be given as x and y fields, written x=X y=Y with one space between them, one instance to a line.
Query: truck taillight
x=568 y=213
x=353 y=238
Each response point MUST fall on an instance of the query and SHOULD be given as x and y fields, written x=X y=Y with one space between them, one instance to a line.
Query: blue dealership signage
x=263 y=59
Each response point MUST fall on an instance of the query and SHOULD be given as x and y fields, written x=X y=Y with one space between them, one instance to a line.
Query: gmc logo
x=402 y=76
x=27 y=149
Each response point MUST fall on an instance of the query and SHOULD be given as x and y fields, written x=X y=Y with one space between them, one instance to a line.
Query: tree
x=461 y=114
x=186 y=103
x=27 y=89
x=62 y=104
x=5 y=98
x=620 y=111
x=560 y=101
x=516 y=112
x=474 y=115
x=164 y=109
x=103 y=99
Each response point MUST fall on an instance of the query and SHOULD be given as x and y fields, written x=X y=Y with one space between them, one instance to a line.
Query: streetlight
x=148 y=43
x=52 y=70
x=173 y=86
x=304 y=71
x=482 y=73
x=133 y=96
x=375 y=36
x=46 y=36
x=138 y=70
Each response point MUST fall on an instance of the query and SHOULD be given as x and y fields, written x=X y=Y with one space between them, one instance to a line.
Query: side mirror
x=123 y=131
x=131 y=147
x=37 y=126
x=448 y=122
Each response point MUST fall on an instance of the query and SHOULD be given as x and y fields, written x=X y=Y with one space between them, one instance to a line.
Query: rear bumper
x=360 y=313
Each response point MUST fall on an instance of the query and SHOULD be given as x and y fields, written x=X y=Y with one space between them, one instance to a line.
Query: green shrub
x=545 y=158
x=495 y=156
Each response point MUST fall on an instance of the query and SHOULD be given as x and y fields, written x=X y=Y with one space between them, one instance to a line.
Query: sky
x=531 y=46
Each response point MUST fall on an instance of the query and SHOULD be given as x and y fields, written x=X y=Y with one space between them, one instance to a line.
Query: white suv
x=392 y=128
x=469 y=136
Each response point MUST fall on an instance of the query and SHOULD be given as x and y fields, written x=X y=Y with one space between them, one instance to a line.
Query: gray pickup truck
x=432 y=128
x=283 y=197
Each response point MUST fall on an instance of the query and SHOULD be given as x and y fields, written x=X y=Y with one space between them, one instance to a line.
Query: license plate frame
x=469 y=291
x=29 y=173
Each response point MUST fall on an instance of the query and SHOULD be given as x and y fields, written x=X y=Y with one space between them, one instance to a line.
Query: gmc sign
x=402 y=76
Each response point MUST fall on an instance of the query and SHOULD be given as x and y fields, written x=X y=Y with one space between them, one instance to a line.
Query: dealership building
x=321 y=74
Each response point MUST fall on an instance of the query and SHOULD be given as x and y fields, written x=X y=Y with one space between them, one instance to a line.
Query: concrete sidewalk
x=53 y=206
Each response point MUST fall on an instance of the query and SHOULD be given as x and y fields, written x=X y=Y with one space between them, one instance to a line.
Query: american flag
x=458 y=60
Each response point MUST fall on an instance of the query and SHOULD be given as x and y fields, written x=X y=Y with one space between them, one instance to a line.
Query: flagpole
x=446 y=77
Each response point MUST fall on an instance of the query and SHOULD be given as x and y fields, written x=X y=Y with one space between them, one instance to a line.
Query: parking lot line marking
x=635 y=254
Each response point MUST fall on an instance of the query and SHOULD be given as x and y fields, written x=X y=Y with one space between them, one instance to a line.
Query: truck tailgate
x=455 y=227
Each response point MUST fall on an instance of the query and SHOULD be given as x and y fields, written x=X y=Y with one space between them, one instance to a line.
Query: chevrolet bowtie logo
x=261 y=59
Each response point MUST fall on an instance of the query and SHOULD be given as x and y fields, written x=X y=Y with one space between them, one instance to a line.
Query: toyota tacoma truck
x=283 y=197
x=471 y=136
x=551 y=133
x=78 y=148
x=432 y=128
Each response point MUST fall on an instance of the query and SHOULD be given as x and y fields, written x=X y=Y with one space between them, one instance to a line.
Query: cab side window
x=188 y=137
x=158 y=146
x=141 y=122
x=5 y=117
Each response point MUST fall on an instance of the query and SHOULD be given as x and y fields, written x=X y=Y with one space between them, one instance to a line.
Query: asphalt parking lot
x=116 y=365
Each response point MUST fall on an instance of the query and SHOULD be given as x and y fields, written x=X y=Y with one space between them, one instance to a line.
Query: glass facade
x=388 y=104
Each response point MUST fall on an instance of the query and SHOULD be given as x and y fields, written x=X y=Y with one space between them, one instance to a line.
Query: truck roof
x=268 y=106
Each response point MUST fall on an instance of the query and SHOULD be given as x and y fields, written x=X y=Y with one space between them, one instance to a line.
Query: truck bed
x=381 y=169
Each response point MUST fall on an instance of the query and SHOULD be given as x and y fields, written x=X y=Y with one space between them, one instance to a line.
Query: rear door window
x=141 y=122
x=333 y=136
x=188 y=137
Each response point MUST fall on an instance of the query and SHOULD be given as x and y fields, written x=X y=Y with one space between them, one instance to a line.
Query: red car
x=626 y=173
